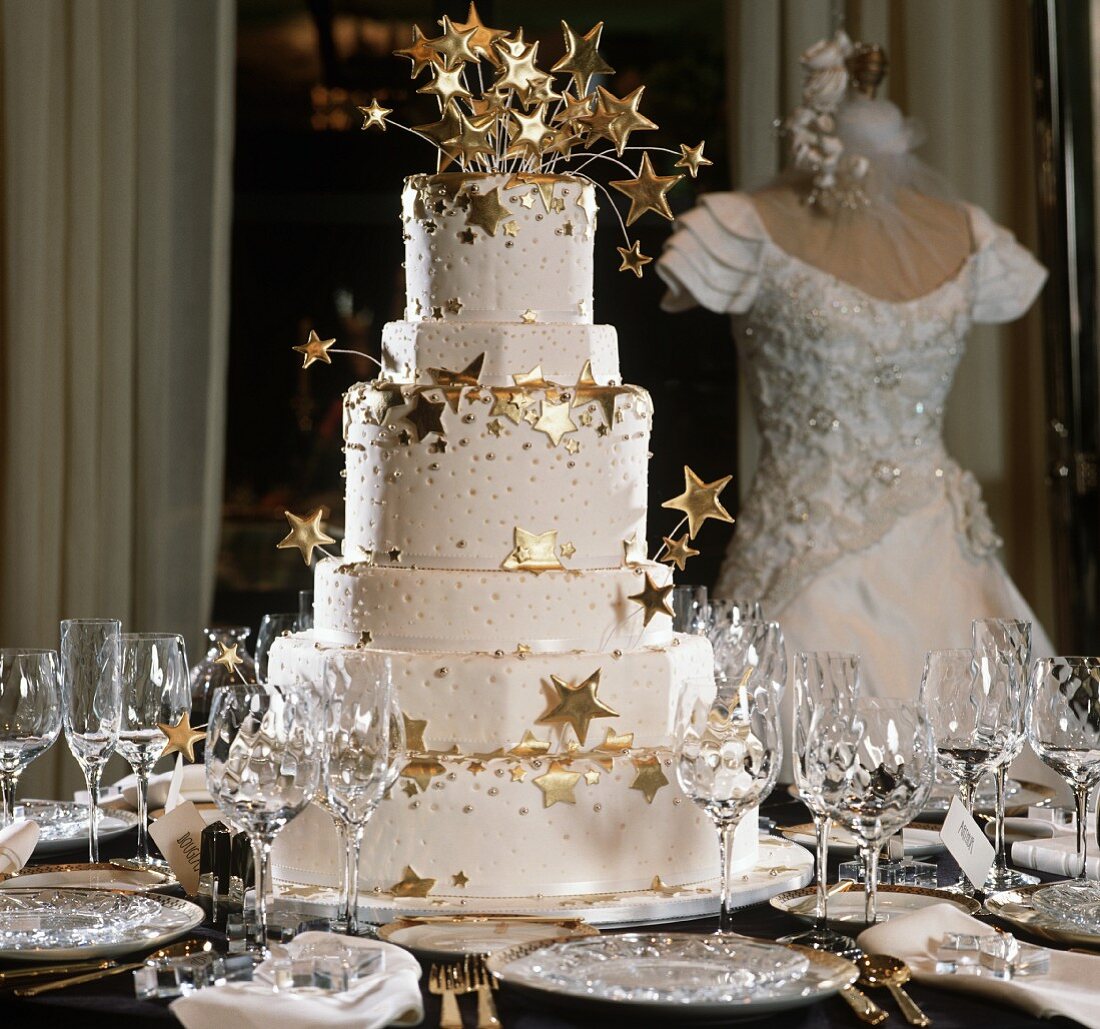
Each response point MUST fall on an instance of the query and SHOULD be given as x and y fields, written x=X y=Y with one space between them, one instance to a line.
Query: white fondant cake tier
x=409 y=349
x=461 y=610
x=488 y=248
x=455 y=498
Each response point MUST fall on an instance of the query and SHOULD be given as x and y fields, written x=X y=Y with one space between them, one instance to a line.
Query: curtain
x=963 y=71
x=116 y=179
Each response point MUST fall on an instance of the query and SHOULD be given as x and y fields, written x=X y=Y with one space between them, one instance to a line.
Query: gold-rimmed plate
x=1015 y=908
x=444 y=938
x=1021 y=795
x=101 y=876
x=922 y=839
x=846 y=910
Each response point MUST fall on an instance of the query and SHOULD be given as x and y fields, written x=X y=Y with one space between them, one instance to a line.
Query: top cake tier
x=498 y=248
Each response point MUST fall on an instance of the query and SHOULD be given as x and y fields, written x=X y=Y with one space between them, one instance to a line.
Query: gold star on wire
x=420 y=53
x=582 y=60
x=473 y=138
x=699 y=501
x=650 y=777
x=678 y=551
x=441 y=133
x=447 y=84
x=529 y=133
x=646 y=192
x=533 y=552
x=554 y=420
x=530 y=746
x=518 y=70
x=374 y=116
x=540 y=91
x=557 y=785
x=653 y=599
x=414 y=733
x=577 y=705
x=305 y=534
x=460 y=879
x=628 y=119
x=314 y=349
x=481 y=42
x=692 y=158
x=229 y=658
x=486 y=211
x=597 y=126
x=181 y=738
x=454 y=45
x=572 y=108
x=412 y=885
x=633 y=259
x=425 y=417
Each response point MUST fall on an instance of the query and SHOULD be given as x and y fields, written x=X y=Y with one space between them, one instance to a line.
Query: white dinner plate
x=103 y=876
x=921 y=840
x=444 y=938
x=63 y=825
x=846 y=910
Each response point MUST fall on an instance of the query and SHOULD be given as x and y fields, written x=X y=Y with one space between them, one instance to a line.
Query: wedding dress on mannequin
x=859 y=533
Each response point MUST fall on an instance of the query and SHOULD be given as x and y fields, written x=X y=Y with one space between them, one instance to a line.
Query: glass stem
x=967 y=790
x=1081 y=796
x=355 y=845
x=8 y=782
x=261 y=861
x=1000 y=861
x=143 y=815
x=92 y=776
x=726 y=831
x=870 y=886
x=822 y=824
x=345 y=867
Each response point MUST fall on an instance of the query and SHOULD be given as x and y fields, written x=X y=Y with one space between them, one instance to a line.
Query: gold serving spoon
x=176 y=950
x=891 y=972
x=44 y=970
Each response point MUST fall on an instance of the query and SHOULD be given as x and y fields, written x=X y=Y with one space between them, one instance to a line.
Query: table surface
x=111 y=1001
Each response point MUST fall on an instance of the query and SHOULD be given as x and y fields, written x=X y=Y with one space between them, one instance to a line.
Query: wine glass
x=271 y=628
x=365 y=742
x=30 y=716
x=757 y=646
x=156 y=691
x=826 y=686
x=92 y=703
x=728 y=754
x=875 y=773
x=975 y=716
x=724 y=618
x=1063 y=727
x=1003 y=646
x=689 y=604
x=264 y=756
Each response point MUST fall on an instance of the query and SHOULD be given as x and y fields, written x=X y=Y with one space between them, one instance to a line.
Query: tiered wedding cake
x=495 y=556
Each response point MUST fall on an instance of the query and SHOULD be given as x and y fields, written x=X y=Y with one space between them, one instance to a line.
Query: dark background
x=317 y=245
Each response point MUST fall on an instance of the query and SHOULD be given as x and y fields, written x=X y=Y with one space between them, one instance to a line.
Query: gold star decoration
x=650 y=777
x=453 y=44
x=529 y=317
x=481 y=42
x=572 y=109
x=577 y=705
x=412 y=885
x=557 y=785
x=532 y=379
x=420 y=53
x=379 y=401
x=699 y=501
x=422 y=771
x=229 y=658
x=305 y=534
x=653 y=599
x=366 y=638
x=678 y=551
x=582 y=60
x=658 y=886
x=509 y=403
x=613 y=744
x=474 y=767
x=533 y=552
x=530 y=746
x=646 y=192
x=452 y=383
x=409 y=789
x=181 y=738
x=518 y=70
x=592 y=777
x=486 y=211
x=692 y=158
x=554 y=420
x=634 y=550
x=518 y=773
x=587 y=391
x=460 y=879
x=472 y=138
x=447 y=84
x=414 y=733
x=441 y=133
x=374 y=116
x=568 y=550
x=627 y=118
x=425 y=417
x=529 y=133
x=544 y=185
x=314 y=349
x=633 y=259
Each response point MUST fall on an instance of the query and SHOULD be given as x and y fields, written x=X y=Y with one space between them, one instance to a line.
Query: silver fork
x=441 y=982
x=478 y=978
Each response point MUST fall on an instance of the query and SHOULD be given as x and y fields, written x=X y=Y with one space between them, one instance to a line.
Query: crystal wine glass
x=974 y=716
x=271 y=628
x=1003 y=646
x=92 y=703
x=826 y=687
x=755 y=646
x=724 y=618
x=365 y=744
x=156 y=691
x=264 y=756
x=874 y=773
x=728 y=754
x=30 y=716
x=1063 y=727
x=690 y=606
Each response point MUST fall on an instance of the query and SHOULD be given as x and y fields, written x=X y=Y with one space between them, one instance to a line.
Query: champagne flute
x=30 y=716
x=728 y=754
x=264 y=756
x=156 y=691
x=92 y=701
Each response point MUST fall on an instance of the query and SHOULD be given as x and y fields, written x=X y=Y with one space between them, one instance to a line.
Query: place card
x=179 y=836
x=966 y=843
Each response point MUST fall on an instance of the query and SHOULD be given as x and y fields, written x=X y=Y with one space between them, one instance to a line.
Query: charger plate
x=671 y=976
x=781 y=865
x=846 y=909
x=101 y=876
x=922 y=839
x=446 y=937
x=63 y=825
x=1015 y=908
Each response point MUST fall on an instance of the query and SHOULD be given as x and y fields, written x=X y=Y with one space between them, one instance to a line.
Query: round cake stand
x=781 y=866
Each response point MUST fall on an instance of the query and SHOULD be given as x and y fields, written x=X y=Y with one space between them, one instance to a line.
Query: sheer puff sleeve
x=713 y=256
x=1007 y=279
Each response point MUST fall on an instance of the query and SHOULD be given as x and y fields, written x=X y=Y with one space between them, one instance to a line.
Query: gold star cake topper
x=314 y=349
x=306 y=534
x=181 y=738
x=699 y=501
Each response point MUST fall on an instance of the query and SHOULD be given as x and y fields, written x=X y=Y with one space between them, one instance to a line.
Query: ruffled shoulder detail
x=1007 y=279
x=713 y=256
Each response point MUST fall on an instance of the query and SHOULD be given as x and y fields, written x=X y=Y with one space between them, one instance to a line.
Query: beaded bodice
x=849 y=394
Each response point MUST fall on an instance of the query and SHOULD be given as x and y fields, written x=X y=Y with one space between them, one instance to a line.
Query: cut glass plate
x=1075 y=902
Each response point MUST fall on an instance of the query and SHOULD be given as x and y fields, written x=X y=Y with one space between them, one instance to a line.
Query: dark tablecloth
x=111 y=1003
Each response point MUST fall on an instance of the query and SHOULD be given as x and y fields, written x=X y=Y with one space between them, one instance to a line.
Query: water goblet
x=272 y=626
x=264 y=757
x=755 y=646
x=30 y=716
x=826 y=686
x=156 y=691
x=1063 y=727
x=724 y=617
x=875 y=773
x=728 y=754
x=1003 y=646
x=92 y=703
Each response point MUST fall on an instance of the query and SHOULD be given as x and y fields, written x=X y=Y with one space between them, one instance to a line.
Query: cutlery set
x=450 y=981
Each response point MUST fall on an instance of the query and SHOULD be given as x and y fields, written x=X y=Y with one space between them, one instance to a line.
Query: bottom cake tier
x=503 y=799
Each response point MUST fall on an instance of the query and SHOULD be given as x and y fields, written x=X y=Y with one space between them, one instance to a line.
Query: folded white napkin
x=1069 y=988
x=1057 y=856
x=193 y=787
x=17 y=842
x=392 y=997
